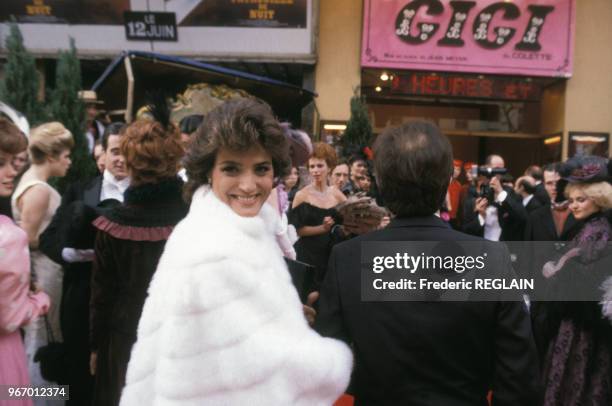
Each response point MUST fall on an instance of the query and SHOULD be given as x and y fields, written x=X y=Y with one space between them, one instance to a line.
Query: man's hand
x=93 y=361
x=384 y=222
x=72 y=255
x=481 y=206
x=496 y=185
x=309 y=312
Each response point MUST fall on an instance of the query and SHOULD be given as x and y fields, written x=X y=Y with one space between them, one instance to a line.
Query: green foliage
x=19 y=87
x=68 y=109
x=358 y=131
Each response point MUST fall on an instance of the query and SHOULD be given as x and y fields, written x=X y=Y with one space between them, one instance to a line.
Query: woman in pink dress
x=18 y=305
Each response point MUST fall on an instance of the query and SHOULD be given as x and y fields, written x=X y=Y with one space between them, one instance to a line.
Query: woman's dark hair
x=190 y=124
x=298 y=184
x=236 y=125
x=115 y=128
x=12 y=141
x=414 y=164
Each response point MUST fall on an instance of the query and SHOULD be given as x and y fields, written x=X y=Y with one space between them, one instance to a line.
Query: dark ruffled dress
x=314 y=250
x=130 y=240
x=577 y=368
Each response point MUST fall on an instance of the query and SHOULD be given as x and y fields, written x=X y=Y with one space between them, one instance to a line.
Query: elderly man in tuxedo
x=418 y=352
x=69 y=241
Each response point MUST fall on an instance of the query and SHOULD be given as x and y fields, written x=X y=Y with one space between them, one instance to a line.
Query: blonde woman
x=578 y=364
x=34 y=203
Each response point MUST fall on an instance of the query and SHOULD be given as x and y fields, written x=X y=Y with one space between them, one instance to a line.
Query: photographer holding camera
x=492 y=211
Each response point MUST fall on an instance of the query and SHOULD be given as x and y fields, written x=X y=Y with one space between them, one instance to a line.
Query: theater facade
x=523 y=78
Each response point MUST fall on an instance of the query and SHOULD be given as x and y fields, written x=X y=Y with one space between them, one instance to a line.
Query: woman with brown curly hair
x=19 y=306
x=222 y=324
x=130 y=241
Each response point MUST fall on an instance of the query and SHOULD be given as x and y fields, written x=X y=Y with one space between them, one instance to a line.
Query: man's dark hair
x=527 y=186
x=115 y=128
x=414 y=164
x=355 y=157
x=551 y=168
x=190 y=124
x=534 y=171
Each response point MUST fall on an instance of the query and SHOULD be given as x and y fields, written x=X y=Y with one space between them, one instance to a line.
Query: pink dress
x=18 y=306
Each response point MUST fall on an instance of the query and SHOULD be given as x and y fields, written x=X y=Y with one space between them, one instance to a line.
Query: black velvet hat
x=585 y=169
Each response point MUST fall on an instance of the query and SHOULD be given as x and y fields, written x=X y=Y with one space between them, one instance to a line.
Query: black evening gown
x=313 y=250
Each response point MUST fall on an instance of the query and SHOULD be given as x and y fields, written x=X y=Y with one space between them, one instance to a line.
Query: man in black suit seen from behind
x=68 y=240
x=424 y=353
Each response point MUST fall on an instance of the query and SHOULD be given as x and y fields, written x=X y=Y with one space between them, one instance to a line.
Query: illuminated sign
x=422 y=84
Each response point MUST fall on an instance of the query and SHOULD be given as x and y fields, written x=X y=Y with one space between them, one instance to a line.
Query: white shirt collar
x=492 y=228
x=112 y=188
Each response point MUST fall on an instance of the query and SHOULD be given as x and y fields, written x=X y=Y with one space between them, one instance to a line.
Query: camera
x=490 y=172
x=485 y=190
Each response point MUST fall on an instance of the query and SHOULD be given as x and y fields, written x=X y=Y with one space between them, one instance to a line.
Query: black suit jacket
x=76 y=285
x=55 y=237
x=511 y=214
x=533 y=204
x=426 y=353
x=541 y=194
x=541 y=226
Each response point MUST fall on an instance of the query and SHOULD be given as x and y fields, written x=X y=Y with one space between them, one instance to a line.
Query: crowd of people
x=170 y=278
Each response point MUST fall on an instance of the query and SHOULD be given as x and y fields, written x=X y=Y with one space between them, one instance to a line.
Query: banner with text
x=247 y=29
x=522 y=37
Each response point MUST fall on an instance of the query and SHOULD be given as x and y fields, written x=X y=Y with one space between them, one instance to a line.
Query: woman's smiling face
x=7 y=174
x=243 y=179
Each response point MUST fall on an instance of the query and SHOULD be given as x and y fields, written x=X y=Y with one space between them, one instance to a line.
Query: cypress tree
x=358 y=131
x=20 y=84
x=68 y=109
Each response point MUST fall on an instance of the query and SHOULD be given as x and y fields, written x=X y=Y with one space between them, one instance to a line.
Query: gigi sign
x=524 y=37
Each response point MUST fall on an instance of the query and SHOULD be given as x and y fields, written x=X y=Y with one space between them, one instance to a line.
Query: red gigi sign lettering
x=481 y=27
